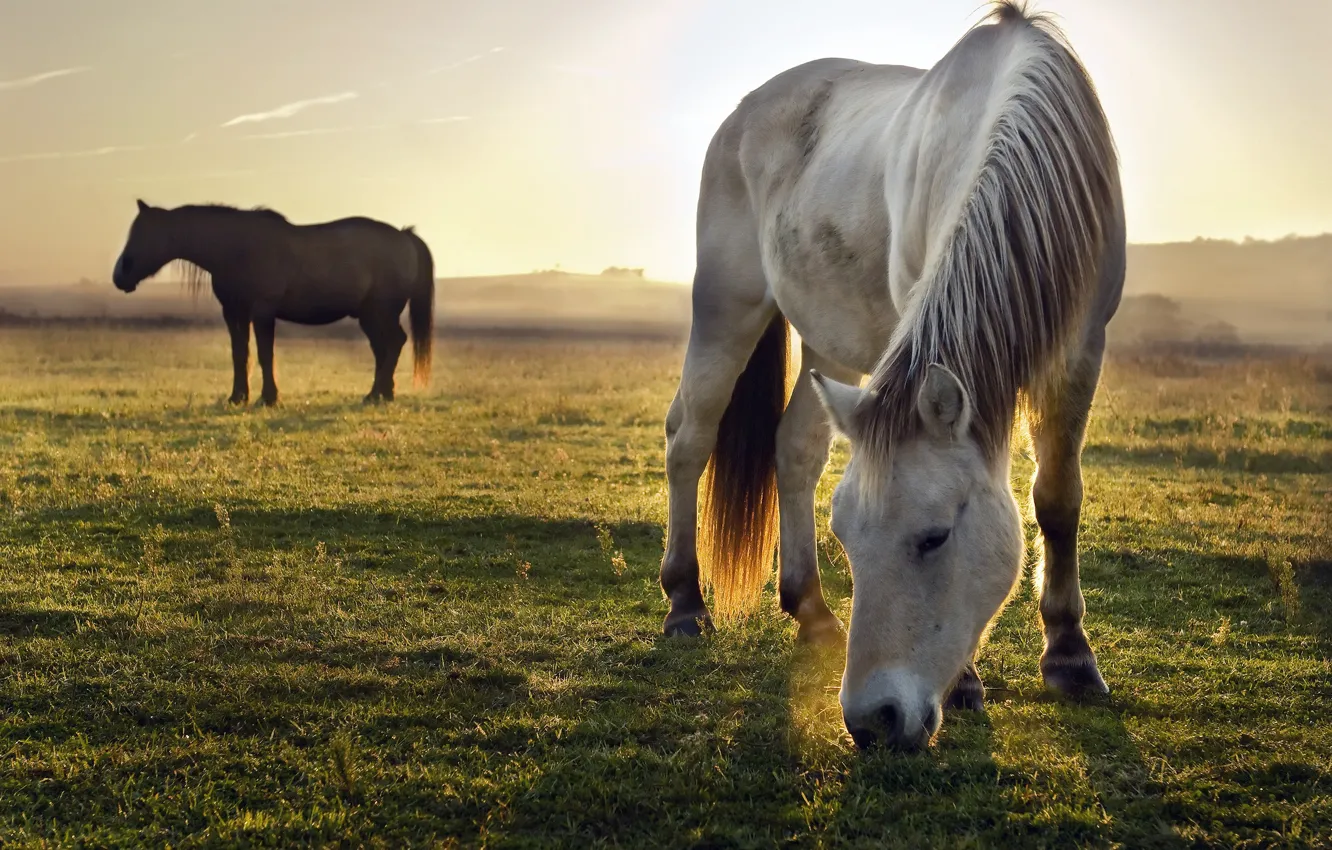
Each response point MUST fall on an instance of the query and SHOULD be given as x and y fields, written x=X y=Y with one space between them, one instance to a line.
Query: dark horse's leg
x=383 y=329
x=238 y=325
x=264 y=330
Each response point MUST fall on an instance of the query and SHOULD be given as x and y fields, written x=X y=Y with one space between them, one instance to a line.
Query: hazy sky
x=520 y=134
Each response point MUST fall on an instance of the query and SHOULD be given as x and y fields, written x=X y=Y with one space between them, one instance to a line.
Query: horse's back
x=804 y=119
x=799 y=165
x=363 y=246
x=328 y=270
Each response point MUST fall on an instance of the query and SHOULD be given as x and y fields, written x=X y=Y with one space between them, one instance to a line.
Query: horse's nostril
x=890 y=719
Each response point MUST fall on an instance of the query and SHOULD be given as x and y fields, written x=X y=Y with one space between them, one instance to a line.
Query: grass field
x=437 y=623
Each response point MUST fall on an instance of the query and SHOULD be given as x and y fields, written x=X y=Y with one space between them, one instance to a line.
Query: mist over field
x=1206 y=291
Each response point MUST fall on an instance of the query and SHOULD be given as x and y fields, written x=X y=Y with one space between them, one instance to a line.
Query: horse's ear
x=943 y=404
x=840 y=401
x=143 y=208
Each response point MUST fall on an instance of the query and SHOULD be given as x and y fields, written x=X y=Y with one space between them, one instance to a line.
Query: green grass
x=437 y=623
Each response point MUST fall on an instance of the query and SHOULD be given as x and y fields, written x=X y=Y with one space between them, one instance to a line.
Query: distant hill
x=1275 y=292
x=620 y=302
x=1252 y=291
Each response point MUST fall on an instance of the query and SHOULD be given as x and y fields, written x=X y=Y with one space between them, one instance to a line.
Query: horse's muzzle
x=124 y=282
x=121 y=278
x=889 y=726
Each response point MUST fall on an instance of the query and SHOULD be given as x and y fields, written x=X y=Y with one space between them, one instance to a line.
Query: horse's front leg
x=238 y=326
x=802 y=452
x=264 y=331
x=1068 y=663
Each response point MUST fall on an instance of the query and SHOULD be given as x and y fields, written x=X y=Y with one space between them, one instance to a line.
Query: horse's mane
x=1001 y=296
x=196 y=279
x=192 y=277
x=263 y=212
x=1006 y=11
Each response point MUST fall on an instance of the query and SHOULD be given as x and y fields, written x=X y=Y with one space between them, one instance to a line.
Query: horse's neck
x=211 y=243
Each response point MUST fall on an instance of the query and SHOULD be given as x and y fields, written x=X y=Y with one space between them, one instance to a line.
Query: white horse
x=958 y=235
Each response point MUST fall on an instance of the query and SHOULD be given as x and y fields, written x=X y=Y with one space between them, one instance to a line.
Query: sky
x=529 y=134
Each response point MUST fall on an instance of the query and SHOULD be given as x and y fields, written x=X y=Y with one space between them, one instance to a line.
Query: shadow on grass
x=1201 y=457
x=412 y=540
x=1167 y=588
x=21 y=620
x=1125 y=787
x=551 y=710
x=211 y=417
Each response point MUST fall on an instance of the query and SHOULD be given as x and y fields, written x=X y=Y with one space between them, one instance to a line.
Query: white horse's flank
x=957 y=234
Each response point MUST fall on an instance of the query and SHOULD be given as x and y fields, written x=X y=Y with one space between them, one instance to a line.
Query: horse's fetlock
x=790 y=596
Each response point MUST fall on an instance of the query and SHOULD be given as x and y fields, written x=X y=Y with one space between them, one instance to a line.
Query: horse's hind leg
x=802 y=452
x=1058 y=426
x=731 y=312
x=387 y=338
x=264 y=331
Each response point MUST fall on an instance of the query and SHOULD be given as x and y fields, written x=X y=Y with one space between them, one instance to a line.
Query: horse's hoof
x=688 y=625
x=1068 y=666
x=238 y=400
x=968 y=693
x=826 y=632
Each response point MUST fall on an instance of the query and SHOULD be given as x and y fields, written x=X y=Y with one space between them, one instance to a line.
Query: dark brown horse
x=265 y=268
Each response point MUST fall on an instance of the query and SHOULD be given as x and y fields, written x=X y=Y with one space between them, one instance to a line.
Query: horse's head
x=147 y=249
x=935 y=544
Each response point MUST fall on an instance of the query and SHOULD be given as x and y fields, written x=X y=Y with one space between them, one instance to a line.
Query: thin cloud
x=287 y=110
x=314 y=131
x=452 y=66
x=357 y=128
x=25 y=82
x=34 y=157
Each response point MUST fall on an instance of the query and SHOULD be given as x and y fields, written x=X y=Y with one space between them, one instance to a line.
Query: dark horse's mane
x=195 y=278
x=227 y=208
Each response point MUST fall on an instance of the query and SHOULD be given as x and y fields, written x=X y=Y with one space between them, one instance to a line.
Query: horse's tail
x=421 y=310
x=739 y=513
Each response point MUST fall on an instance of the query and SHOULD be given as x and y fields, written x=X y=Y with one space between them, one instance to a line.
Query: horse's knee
x=1056 y=496
x=674 y=417
x=686 y=457
x=802 y=454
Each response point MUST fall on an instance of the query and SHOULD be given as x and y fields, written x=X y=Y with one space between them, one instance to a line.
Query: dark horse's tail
x=739 y=527
x=421 y=310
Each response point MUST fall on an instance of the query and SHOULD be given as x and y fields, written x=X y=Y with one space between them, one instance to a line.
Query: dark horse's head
x=148 y=248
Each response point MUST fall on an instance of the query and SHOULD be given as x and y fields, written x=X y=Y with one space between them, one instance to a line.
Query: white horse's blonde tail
x=738 y=529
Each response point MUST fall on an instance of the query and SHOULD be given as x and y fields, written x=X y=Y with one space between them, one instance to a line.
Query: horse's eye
x=933 y=540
